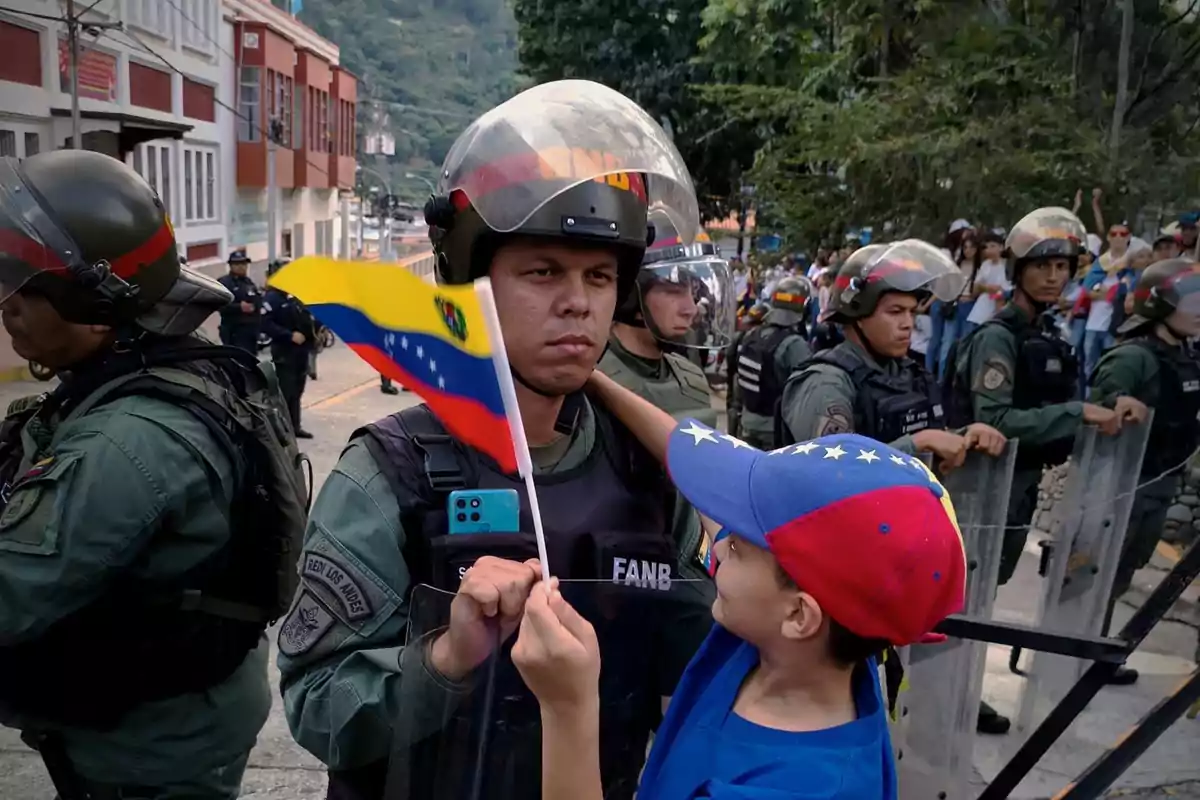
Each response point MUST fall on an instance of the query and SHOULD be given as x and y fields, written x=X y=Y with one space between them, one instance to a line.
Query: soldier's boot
x=991 y=721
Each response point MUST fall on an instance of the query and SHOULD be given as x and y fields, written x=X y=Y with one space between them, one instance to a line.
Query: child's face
x=752 y=601
x=992 y=251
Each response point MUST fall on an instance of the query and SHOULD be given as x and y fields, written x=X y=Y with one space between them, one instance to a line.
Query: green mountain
x=427 y=67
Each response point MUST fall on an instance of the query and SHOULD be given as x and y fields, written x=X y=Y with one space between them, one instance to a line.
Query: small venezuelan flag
x=432 y=339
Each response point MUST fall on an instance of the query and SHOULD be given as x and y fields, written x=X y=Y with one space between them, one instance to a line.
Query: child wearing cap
x=829 y=551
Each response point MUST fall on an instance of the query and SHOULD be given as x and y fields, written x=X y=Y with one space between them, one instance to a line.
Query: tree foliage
x=907 y=115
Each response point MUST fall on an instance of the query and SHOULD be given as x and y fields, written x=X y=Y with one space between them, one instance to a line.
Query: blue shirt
x=704 y=750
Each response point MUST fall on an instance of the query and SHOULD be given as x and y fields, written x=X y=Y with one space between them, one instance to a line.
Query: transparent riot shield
x=1087 y=531
x=935 y=732
x=481 y=740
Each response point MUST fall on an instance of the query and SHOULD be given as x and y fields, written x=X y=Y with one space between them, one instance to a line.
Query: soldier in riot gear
x=145 y=531
x=293 y=332
x=764 y=358
x=1016 y=373
x=1152 y=365
x=683 y=296
x=241 y=319
x=867 y=384
x=547 y=195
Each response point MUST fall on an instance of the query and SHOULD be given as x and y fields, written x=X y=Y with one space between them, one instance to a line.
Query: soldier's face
x=1043 y=281
x=889 y=329
x=671 y=307
x=556 y=306
x=39 y=334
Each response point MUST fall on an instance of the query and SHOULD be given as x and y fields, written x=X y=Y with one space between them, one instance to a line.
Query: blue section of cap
x=753 y=493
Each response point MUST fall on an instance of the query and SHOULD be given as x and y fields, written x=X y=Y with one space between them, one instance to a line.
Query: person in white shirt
x=991 y=283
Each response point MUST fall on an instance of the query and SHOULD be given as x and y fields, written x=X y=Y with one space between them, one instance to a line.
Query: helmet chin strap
x=568 y=414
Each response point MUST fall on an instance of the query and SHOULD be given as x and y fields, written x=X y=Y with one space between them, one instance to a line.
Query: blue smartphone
x=484 y=511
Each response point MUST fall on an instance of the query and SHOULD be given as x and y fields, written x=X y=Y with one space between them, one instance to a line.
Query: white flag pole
x=508 y=393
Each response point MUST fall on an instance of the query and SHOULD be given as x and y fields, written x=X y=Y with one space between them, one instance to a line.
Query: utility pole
x=73 y=25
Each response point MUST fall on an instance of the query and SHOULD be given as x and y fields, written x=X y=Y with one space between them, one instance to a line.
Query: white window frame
x=148 y=160
x=196 y=25
x=20 y=133
x=201 y=192
x=152 y=16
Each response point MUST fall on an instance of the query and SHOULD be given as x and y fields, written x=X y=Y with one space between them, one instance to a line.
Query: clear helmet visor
x=689 y=303
x=1050 y=224
x=522 y=154
x=31 y=244
x=913 y=265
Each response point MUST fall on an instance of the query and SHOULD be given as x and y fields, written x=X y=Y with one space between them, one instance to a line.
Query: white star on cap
x=916 y=463
x=867 y=456
x=804 y=449
x=834 y=452
x=699 y=434
x=898 y=460
x=736 y=442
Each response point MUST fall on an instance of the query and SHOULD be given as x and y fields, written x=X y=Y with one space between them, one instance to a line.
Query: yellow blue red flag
x=432 y=339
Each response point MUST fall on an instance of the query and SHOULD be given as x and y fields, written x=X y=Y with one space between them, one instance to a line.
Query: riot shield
x=935 y=733
x=482 y=739
x=1079 y=564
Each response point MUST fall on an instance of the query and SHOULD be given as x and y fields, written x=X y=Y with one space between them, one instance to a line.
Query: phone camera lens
x=474 y=516
x=461 y=503
x=462 y=517
x=475 y=502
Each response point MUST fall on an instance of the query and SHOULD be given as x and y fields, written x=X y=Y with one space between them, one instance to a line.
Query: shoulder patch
x=306 y=624
x=836 y=420
x=340 y=583
x=995 y=374
x=20 y=505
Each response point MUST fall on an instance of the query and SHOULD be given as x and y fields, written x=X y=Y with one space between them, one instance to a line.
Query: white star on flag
x=898 y=460
x=834 y=452
x=420 y=351
x=441 y=382
x=867 y=456
x=404 y=342
x=699 y=434
x=736 y=442
x=432 y=365
x=804 y=449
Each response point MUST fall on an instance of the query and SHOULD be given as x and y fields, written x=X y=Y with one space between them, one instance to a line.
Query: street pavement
x=347 y=395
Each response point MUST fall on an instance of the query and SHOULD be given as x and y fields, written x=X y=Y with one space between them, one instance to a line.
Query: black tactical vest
x=886 y=407
x=1175 y=432
x=758 y=385
x=1046 y=374
x=607 y=519
x=141 y=641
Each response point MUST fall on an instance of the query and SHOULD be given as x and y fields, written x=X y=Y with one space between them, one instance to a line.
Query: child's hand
x=556 y=651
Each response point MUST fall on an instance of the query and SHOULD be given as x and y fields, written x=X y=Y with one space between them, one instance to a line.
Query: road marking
x=343 y=395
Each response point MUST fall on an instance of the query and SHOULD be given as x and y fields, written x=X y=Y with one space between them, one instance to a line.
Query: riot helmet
x=1164 y=288
x=683 y=293
x=907 y=267
x=83 y=230
x=789 y=301
x=570 y=161
x=1051 y=232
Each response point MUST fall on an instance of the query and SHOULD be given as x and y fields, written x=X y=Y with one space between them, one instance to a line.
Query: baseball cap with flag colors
x=868 y=531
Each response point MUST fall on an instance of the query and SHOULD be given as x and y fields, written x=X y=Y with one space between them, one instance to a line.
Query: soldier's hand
x=949 y=448
x=556 y=651
x=297 y=337
x=1103 y=418
x=484 y=613
x=1130 y=408
x=985 y=438
x=247 y=308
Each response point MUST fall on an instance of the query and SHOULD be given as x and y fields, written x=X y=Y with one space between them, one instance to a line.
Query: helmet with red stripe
x=84 y=231
x=569 y=161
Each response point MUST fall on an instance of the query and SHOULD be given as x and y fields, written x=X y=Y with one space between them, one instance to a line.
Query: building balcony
x=342 y=170
x=252 y=166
